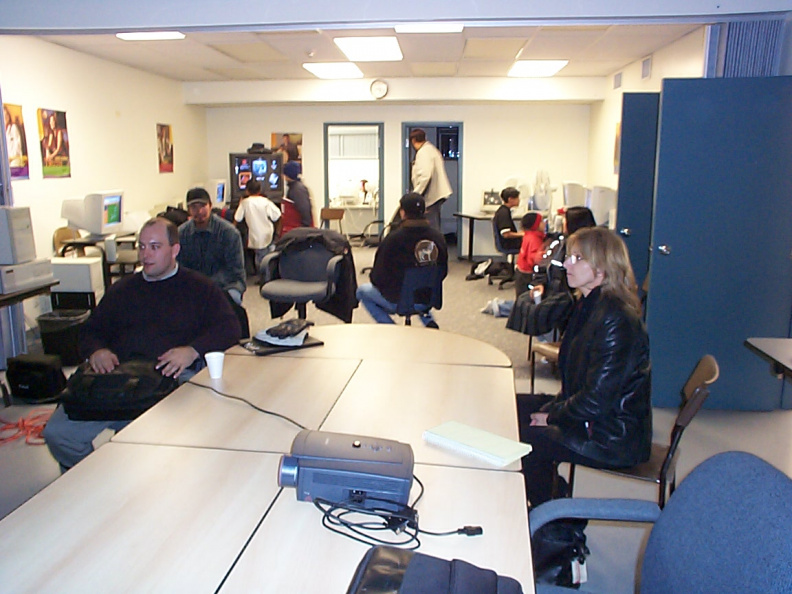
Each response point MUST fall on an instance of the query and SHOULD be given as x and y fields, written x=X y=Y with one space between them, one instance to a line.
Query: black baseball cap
x=413 y=205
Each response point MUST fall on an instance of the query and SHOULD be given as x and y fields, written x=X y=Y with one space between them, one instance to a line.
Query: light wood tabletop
x=138 y=518
x=395 y=400
x=292 y=552
x=398 y=343
x=301 y=389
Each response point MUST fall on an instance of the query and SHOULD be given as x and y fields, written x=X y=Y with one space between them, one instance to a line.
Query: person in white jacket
x=429 y=176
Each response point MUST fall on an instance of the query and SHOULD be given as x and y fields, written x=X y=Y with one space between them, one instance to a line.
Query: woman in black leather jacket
x=603 y=416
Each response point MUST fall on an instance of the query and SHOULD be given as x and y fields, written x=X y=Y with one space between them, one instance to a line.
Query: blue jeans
x=380 y=308
x=71 y=441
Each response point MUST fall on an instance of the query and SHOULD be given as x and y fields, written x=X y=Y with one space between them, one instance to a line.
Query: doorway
x=447 y=137
x=354 y=174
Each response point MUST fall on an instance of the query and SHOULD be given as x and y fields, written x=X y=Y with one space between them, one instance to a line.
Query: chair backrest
x=726 y=529
x=696 y=389
x=694 y=393
x=331 y=214
x=498 y=238
x=308 y=264
x=62 y=233
x=422 y=285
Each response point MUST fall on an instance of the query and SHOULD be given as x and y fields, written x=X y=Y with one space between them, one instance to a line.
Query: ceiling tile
x=493 y=49
x=251 y=52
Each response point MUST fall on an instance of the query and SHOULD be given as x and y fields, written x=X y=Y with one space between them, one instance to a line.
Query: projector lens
x=287 y=471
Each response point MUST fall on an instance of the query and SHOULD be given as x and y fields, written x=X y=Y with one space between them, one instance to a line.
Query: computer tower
x=16 y=235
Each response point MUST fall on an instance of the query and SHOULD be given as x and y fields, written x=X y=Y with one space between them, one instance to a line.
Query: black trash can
x=59 y=330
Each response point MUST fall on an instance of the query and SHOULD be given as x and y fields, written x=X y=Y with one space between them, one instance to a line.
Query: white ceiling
x=599 y=50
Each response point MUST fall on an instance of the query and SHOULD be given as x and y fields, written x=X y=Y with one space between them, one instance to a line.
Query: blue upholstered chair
x=727 y=528
x=422 y=290
x=509 y=253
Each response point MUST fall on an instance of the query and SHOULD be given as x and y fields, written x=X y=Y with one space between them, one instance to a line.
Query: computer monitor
x=266 y=168
x=217 y=191
x=491 y=201
x=99 y=213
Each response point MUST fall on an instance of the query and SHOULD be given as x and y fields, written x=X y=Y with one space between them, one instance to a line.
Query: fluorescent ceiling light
x=370 y=49
x=150 y=35
x=333 y=70
x=429 y=27
x=536 y=68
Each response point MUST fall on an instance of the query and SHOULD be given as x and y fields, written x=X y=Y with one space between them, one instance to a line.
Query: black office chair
x=422 y=290
x=509 y=253
x=298 y=276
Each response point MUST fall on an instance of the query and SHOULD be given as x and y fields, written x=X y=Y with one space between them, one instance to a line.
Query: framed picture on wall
x=165 y=148
x=288 y=143
x=16 y=142
x=54 y=141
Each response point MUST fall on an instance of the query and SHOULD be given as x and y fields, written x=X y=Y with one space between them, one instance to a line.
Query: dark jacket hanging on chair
x=343 y=301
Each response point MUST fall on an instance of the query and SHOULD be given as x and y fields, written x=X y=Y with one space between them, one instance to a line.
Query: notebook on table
x=477 y=443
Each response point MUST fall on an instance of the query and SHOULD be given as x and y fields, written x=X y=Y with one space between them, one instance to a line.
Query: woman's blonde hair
x=605 y=252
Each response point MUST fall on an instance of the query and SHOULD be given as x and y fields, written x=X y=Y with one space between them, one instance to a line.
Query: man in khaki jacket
x=428 y=176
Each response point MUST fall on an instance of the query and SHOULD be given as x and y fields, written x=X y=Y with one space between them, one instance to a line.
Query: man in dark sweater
x=413 y=244
x=165 y=313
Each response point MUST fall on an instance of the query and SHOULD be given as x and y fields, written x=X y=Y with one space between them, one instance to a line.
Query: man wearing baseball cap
x=212 y=246
x=413 y=244
x=297 y=208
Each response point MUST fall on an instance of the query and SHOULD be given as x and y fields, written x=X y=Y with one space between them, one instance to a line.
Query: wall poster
x=165 y=148
x=288 y=143
x=54 y=140
x=16 y=142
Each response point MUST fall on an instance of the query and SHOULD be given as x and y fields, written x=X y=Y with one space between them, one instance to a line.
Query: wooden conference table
x=186 y=497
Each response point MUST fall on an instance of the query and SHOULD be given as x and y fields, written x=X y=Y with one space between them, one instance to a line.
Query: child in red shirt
x=531 y=251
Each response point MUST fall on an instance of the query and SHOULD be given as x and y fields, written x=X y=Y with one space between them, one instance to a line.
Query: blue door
x=637 y=157
x=722 y=236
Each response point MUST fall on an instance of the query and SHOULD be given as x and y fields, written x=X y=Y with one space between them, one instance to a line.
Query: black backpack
x=121 y=395
x=385 y=569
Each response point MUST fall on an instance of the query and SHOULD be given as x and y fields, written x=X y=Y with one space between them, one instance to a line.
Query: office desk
x=301 y=389
x=471 y=219
x=292 y=552
x=138 y=518
x=17 y=338
x=390 y=400
x=392 y=342
x=7 y=299
x=776 y=350
x=357 y=216
x=124 y=258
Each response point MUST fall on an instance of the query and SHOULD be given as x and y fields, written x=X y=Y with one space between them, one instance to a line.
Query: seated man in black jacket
x=165 y=313
x=414 y=243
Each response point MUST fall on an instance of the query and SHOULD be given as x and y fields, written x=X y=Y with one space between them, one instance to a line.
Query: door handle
x=664 y=249
x=625 y=232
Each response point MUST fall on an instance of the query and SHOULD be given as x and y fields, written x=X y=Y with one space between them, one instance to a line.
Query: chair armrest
x=622 y=510
x=333 y=271
x=267 y=266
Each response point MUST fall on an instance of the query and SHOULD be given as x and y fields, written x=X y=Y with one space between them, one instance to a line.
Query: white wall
x=498 y=141
x=682 y=59
x=111 y=112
